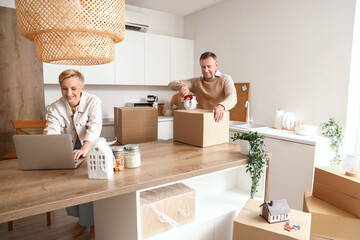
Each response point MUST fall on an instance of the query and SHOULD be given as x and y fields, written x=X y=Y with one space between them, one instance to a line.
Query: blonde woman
x=77 y=113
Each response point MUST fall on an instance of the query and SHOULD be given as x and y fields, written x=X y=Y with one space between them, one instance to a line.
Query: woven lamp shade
x=72 y=32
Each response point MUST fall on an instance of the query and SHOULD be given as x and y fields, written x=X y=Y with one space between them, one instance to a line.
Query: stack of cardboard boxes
x=334 y=204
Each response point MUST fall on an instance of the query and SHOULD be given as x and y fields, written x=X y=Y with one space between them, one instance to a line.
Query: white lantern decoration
x=351 y=165
x=100 y=160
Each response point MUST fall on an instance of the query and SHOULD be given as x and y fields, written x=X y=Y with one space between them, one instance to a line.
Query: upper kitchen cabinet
x=129 y=59
x=140 y=59
x=182 y=58
x=52 y=72
x=157 y=60
x=99 y=74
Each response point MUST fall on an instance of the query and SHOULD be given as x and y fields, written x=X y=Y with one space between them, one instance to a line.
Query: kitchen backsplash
x=116 y=96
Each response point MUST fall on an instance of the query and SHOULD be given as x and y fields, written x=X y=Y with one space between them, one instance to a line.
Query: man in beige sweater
x=214 y=90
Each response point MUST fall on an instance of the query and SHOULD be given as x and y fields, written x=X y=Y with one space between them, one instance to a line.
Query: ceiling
x=178 y=7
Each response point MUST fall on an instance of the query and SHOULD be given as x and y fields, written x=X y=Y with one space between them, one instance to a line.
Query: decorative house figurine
x=275 y=211
x=100 y=160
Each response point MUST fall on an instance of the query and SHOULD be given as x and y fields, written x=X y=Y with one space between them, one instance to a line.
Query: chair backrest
x=20 y=125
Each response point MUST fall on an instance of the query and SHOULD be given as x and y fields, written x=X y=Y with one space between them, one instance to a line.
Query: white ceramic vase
x=244 y=147
x=278 y=121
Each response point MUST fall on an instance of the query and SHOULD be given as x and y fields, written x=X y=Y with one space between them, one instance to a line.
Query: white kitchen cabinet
x=103 y=74
x=157 y=60
x=291 y=171
x=130 y=59
x=165 y=129
x=52 y=72
x=140 y=59
x=292 y=166
x=182 y=58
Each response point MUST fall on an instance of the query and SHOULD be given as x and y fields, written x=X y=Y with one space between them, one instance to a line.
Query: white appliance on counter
x=142 y=104
x=151 y=101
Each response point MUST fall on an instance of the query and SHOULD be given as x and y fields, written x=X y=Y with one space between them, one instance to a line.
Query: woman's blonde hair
x=72 y=73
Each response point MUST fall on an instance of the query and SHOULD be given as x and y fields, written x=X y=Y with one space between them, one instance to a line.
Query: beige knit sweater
x=210 y=93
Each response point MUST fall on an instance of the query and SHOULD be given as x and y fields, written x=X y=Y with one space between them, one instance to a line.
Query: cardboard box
x=198 y=127
x=165 y=208
x=330 y=222
x=250 y=225
x=333 y=186
x=135 y=124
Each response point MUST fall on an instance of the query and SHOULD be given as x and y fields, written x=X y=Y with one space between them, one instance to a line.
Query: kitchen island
x=213 y=172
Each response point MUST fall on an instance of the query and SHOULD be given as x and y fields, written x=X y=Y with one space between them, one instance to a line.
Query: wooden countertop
x=27 y=193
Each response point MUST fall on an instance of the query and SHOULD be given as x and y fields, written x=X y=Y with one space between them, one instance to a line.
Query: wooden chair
x=21 y=127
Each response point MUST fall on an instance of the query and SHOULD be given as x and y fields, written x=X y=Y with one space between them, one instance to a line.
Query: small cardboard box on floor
x=250 y=225
x=135 y=124
x=333 y=186
x=165 y=208
x=330 y=222
x=198 y=127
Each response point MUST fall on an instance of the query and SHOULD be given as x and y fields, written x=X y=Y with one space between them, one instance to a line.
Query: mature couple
x=79 y=113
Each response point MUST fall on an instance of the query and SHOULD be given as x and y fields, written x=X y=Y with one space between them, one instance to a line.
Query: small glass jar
x=119 y=159
x=132 y=156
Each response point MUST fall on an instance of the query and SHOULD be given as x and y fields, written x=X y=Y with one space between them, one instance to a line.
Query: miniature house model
x=100 y=160
x=275 y=211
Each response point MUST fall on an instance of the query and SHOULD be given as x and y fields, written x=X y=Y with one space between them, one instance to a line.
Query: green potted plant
x=333 y=131
x=257 y=157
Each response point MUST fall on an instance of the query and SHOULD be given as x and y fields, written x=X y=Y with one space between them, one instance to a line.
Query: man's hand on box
x=184 y=90
x=218 y=112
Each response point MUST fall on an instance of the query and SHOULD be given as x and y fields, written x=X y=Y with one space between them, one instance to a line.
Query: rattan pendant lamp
x=72 y=32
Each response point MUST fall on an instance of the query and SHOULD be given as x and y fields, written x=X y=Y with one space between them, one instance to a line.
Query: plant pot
x=244 y=146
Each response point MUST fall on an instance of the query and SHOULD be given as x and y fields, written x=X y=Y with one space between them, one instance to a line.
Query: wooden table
x=27 y=193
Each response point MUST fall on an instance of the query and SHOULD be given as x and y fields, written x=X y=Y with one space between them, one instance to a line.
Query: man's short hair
x=206 y=55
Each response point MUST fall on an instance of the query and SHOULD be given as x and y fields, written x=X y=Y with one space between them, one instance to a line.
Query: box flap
x=330 y=222
x=333 y=186
x=316 y=205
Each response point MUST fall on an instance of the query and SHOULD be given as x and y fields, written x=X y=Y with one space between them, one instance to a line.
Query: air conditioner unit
x=136 y=21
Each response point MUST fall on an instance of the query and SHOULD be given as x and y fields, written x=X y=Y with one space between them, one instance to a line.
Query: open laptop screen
x=44 y=151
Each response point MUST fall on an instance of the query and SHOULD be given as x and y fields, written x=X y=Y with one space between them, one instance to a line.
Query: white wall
x=160 y=22
x=296 y=54
x=352 y=134
x=117 y=96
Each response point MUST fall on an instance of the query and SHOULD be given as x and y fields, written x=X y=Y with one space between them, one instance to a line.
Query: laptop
x=45 y=152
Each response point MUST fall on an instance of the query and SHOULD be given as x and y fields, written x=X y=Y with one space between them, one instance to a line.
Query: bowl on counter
x=307 y=130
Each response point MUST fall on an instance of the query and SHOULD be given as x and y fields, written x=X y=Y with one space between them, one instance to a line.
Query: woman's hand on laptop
x=82 y=151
